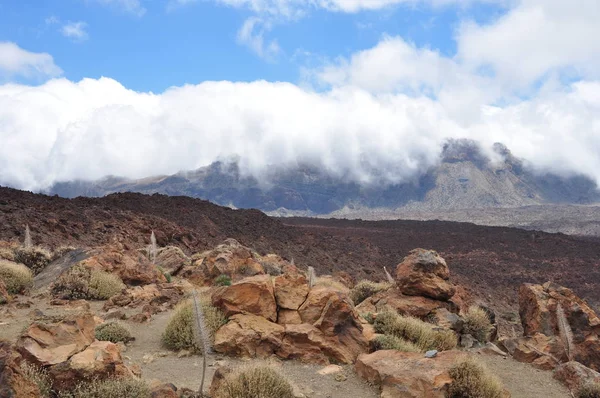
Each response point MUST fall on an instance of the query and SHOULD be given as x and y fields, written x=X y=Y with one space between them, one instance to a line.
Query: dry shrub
x=365 y=289
x=39 y=376
x=477 y=323
x=180 y=333
x=389 y=342
x=61 y=251
x=255 y=382
x=422 y=334
x=104 y=285
x=328 y=281
x=113 y=332
x=7 y=253
x=16 y=277
x=589 y=390
x=35 y=258
x=471 y=379
x=112 y=388
x=82 y=283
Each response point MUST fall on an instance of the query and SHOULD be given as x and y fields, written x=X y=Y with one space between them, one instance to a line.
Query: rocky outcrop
x=543 y=352
x=538 y=308
x=393 y=299
x=291 y=289
x=252 y=295
x=13 y=382
x=45 y=344
x=163 y=296
x=424 y=273
x=249 y=336
x=171 y=259
x=574 y=375
x=408 y=375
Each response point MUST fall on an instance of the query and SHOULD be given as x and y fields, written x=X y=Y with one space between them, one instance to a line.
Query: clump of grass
x=477 y=323
x=39 y=376
x=328 y=281
x=114 y=332
x=223 y=280
x=112 y=388
x=422 y=334
x=17 y=277
x=389 y=342
x=471 y=379
x=35 y=258
x=82 y=283
x=7 y=253
x=180 y=333
x=61 y=251
x=365 y=289
x=254 y=382
x=589 y=390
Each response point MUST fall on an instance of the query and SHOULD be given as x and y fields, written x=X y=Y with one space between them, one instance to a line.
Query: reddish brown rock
x=164 y=390
x=161 y=296
x=218 y=377
x=48 y=344
x=253 y=295
x=416 y=306
x=408 y=375
x=248 y=336
x=543 y=351
x=100 y=360
x=291 y=290
x=288 y=317
x=13 y=382
x=424 y=273
x=171 y=259
x=574 y=375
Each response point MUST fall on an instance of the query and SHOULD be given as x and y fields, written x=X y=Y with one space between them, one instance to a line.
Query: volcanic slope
x=491 y=261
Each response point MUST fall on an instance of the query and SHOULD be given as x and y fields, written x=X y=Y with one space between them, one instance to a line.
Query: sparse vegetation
x=254 y=382
x=39 y=376
x=223 y=280
x=365 y=289
x=328 y=281
x=7 y=253
x=114 y=332
x=270 y=266
x=112 y=388
x=422 y=334
x=16 y=277
x=389 y=342
x=82 y=283
x=61 y=251
x=470 y=379
x=180 y=333
x=589 y=390
x=35 y=258
x=477 y=323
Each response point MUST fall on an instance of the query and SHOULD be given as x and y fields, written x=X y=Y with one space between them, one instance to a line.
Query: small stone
x=183 y=354
x=148 y=358
x=340 y=377
x=431 y=354
x=331 y=369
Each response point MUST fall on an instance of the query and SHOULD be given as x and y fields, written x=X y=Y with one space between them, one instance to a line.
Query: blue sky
x=369 y=89
x=170 y=46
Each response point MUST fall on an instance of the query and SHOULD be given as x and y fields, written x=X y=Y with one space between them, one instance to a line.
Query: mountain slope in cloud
x=465 y=178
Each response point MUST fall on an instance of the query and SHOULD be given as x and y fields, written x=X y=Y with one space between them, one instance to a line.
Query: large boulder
x=291 y=290
x=164 y=295
x=13 y=383
x=47 y=344
x=248 y=336
x=538 y=308
x=393 y=299
x=100 y=360
x=253 y=295
x=406 y=374
x=425 y=273
x=171 y=259
x=543 y=352
x=574 y=375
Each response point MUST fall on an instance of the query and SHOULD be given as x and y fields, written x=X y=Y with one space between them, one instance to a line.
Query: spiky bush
x=471 y=379
x=16 y=277
x=112 y=388
x=365 y=289
x=180 y=333
x=82 y=283
x=114 y=332
x=422 y=334
x=254 y=382
x=39 y=376
x=589 y=390
x=35 y=258
x=104 y=285
x=223 y=280
x=389 y=342
x=477 y=323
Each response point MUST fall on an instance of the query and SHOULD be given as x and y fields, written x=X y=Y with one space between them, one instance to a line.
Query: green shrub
x=589 y=390
x=82 y=283
x=365 y=289
x=113 y=332
x=104 y=285
x=255 y=382
x=477 y=323
x=16 y=277
x=39 y=376
x=223 y=280
x=112 y=388
x=471 y=379
x=35 y=258
x=389 y=342
x=180 y=333
x=422 y=334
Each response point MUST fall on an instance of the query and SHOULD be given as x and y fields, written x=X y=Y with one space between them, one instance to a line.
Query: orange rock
x=424 y=273
x=573 y=375
x=13 y=383
x=248 y=336
x=253 y=295
x=171 y=259
x=291 y=290
x=416 y=306
x=288 y=317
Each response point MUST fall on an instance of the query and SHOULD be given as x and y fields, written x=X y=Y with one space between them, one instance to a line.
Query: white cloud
x=133 y=7
x=15 y=61
x=251 y=34
x=75 y=31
